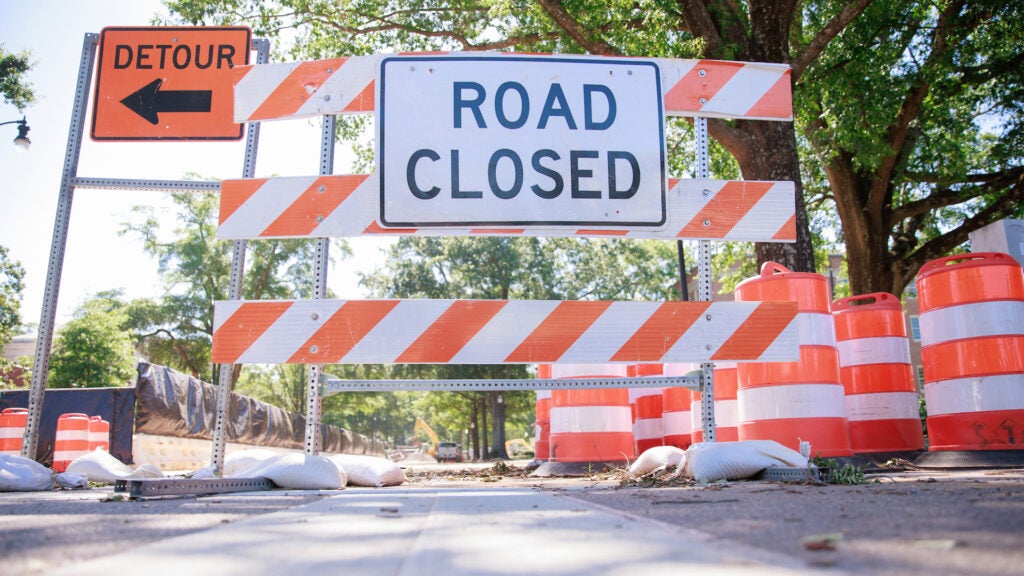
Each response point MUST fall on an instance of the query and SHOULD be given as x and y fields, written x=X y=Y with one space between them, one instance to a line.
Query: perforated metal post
x=48 y=313
x=323 y=245
x=252 y=140
x=707 y=394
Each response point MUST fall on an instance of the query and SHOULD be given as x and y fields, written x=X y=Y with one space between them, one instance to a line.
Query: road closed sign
x=168 y=83
x=524 y=141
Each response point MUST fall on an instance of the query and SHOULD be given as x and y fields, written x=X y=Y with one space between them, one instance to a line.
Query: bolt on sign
x=520 y=140
x=168 y=83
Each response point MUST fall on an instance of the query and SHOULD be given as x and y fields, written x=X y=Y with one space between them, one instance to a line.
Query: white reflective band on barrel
x=676 y=423
x=543 y=394
x=635 y=393
x=792 y=401
x=816 y=329
x=977 y=394
x=727 y=413
x=582 y=419
x=72 y=435
x=882 y=406
x=993 y=318
x=647 y=428
x=10 y=433
x=880 y=350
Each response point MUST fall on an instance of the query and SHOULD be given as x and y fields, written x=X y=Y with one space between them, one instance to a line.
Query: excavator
x=422 y=426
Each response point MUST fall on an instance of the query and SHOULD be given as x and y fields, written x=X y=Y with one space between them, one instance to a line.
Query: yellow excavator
x=422 y=426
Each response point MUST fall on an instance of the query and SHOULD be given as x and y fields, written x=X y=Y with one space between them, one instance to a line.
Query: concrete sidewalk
x=443 y=531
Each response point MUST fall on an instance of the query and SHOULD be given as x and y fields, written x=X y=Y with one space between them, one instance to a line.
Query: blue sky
x=97 y=257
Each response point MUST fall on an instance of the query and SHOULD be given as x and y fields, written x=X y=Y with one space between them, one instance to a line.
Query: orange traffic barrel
x=12 y=430
x=99 y=434
x=793 y=401
x=72 y=439
x=647 y=425
x=590 y=424
x=676 y=420
x=972 y=351
x=542 y=426
x=726 y=410
x=877 y=375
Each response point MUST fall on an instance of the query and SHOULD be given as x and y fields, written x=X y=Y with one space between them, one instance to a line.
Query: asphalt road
x=903 y=523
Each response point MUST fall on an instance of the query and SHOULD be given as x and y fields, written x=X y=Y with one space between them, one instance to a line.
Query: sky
x=97 y=257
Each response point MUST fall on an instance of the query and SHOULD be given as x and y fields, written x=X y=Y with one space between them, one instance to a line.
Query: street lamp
x=21 y=141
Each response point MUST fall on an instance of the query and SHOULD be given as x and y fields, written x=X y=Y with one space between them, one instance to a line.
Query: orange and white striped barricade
x=726 y=409
x=972 y=351
x=12 y=430
x=793 y=401
x=677 y=422
x=499 y=331
x=590 y=425
x=72 y=439
x=647 y=403
x=349 y=205
x=334 y=86
x=877 y=375
x=99 y=434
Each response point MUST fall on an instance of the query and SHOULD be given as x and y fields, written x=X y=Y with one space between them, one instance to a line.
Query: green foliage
x=15 y=89
x=94 y=349
x=12 y=276
x=830 y=472
x=914 y=113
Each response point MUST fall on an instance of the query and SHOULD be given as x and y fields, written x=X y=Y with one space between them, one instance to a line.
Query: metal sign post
x=323 y=245
x=707 y=393
x=235 y=288
x=41 y=364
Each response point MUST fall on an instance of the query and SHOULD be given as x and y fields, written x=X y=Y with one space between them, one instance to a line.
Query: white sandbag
x=369 y=470
x=711 y=461
x=101 y=466
x=657 y=459
x=290 y=470
x=238 y=464
x=19 y=474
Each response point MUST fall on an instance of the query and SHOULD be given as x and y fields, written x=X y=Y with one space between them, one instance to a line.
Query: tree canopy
x=94 y=349
x=914 y=115
x=15 y=89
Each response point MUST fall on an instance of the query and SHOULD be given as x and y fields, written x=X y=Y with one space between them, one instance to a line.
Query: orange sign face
x=168 y=83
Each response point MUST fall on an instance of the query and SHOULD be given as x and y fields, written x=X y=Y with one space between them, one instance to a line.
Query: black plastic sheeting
x=115 y=405
x=174 y=404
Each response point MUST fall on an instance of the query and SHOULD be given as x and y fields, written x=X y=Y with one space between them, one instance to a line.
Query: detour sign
x=168 y=83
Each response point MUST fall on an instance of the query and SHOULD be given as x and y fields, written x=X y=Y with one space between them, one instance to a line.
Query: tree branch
x=821 y=40
x=1011 y=179
x=572 y=27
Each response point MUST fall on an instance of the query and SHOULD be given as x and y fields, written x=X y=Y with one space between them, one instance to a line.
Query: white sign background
x=416 y=111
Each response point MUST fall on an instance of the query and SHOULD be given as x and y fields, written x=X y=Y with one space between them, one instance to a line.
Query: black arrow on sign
x=149 y=101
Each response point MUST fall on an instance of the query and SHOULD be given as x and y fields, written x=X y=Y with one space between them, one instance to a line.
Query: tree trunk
x=498 y=422
x=483 y=425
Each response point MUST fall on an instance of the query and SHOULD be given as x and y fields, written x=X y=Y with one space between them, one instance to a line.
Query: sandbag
x=18 y=474
x=657 y=459
x=290 y=470
x=711 y=461
x=369 y=470
x=101 y=466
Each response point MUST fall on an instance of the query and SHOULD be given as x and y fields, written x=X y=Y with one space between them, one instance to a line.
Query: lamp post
x=21 y=140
